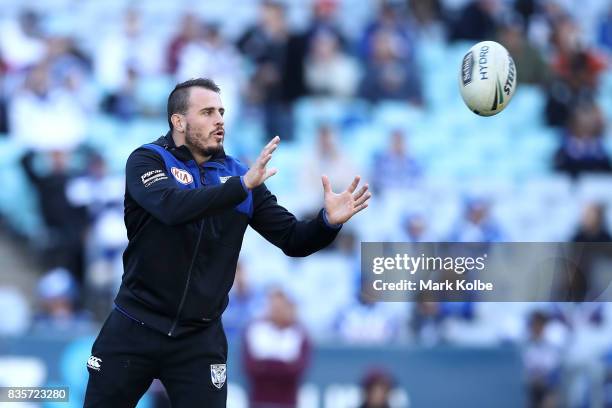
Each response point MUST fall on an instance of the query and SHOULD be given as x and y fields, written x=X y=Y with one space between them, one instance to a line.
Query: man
x=275 y=352
x=65 y=221
x=377 y=386
x=187 y=206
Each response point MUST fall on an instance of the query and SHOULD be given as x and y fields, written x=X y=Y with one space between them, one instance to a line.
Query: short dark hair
x=178 y=100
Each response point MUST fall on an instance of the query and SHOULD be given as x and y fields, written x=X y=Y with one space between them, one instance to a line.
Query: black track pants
x=128 y=355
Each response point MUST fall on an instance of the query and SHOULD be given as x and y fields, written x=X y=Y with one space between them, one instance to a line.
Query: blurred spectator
x=329 y=71
x=129 y=48
x=414 y=228
x=477 y=21
x=96 y=189
x=388 y=75
x=477 y=224
x=21 y=41
x=324 y=13
x=376 y=385
x=592 y=226
x=276 y=353
x=275 y=81
x=65 y=223
x=581 y=282
x=395 y=167
x=58 y=294
x=432 y=321
x=123 y=102
x=542 y=17
x=328 y=159
x=212 y=56
x=542 y=359
x=392 y=20
x=585 y=341
x=428 y=17
x=70 y=70
x=101 y=194
x=64 y=57
x=525 y=9
x=533 y=68
x=347 y=244
x=368 y=322
x=190 y=30
x=426 y=319
x=388 y=51
x=582 y=149
x=243 y=304
x=323 y=44
x=105 y=243
x=604 y=37
x=573 y=56
x=59 y=118
x=576 y=70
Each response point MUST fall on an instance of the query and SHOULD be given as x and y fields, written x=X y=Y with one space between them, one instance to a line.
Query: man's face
x=280 y=310
x=204 y=132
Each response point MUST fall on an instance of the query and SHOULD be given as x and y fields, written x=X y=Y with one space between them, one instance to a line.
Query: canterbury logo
x=95 y=363
x=182 y=176
x=218 y=374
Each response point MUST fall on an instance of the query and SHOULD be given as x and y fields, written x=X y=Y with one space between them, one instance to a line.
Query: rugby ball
x=487 y=78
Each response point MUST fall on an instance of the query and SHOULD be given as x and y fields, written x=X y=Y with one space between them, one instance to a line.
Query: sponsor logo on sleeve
x=182 y=176
x=223 y=179
x=153 y=176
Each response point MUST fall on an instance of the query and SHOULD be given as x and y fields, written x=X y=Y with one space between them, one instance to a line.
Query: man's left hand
x=341 y=207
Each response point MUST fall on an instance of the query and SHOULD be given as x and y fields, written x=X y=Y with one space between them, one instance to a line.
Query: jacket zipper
x=195 y=255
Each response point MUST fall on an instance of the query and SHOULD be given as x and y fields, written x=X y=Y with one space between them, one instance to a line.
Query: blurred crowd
x=56 y=80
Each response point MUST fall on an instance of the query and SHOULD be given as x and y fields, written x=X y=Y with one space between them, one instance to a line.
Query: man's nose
x=219 y=120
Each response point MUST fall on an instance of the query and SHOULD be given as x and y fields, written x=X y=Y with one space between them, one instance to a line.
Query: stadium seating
x=505 y=158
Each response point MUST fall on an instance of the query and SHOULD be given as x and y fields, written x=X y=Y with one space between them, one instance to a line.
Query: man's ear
x=178 y=122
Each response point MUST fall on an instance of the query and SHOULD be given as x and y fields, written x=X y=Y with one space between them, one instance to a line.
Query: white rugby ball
x=487 y=78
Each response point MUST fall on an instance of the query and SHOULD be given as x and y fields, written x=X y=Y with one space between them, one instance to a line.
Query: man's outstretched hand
x=341 y=207
x=258 y=173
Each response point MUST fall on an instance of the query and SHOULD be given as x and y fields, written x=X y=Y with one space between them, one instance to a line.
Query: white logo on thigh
x=218 y=374
x=95 y=363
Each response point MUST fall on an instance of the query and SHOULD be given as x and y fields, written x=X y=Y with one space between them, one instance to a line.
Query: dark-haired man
x=187 y=206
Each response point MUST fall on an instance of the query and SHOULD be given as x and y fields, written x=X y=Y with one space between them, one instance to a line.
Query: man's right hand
x=258 y=173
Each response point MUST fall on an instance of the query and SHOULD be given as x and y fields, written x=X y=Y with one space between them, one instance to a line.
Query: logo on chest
x=182 y=176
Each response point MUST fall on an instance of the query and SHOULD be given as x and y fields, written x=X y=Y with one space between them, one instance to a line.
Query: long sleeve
x=154 y=190
x=281 y=228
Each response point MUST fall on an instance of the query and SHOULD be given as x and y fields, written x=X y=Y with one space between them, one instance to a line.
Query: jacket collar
x=183 y=153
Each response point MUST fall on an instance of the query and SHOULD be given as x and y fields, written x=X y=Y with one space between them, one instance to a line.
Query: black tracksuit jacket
x=185 y=235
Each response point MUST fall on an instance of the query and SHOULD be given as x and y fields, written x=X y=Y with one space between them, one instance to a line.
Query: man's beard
x=196 y=145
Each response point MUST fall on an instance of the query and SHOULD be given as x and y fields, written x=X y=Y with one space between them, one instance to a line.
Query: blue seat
x=103 y=130
x=397 y=114
x=152 y=92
